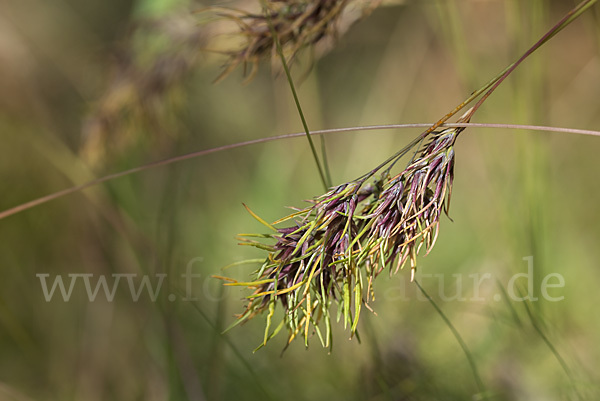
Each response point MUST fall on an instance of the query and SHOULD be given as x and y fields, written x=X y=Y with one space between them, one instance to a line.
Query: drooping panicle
x=331 y=251
x=406 y=216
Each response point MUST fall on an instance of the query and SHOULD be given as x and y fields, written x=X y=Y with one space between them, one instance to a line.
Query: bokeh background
x=89 y=88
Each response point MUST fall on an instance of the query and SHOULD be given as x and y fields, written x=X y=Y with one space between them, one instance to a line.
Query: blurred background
x=89 y=88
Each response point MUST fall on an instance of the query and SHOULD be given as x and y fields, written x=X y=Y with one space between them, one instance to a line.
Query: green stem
x=538 y=329
x=493 y=83
x=237 y=353
x=560 y=25
x=461 y=342
x=325 y=162
x=322 y=174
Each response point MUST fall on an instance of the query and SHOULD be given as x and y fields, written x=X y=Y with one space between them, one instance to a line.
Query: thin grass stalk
x=491 y=86
x=165 y=162
x=458 y=337
x=237 y=353
x=561 y=361
x=324 y=177
x=560 y=25
x=506 y=299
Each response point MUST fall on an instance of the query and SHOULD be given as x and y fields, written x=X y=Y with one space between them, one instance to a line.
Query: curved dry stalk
x=67 y=191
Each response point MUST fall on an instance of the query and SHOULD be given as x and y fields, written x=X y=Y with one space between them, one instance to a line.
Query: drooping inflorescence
x=331 y=251
x=298 y=24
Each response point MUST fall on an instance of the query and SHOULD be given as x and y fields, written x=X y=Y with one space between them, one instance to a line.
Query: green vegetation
x=91 y=88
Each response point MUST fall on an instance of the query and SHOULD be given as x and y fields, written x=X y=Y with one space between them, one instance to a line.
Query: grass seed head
x=298 y=24
x=334 y=249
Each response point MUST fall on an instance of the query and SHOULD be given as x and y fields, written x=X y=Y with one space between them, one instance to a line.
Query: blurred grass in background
x=517 y=194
